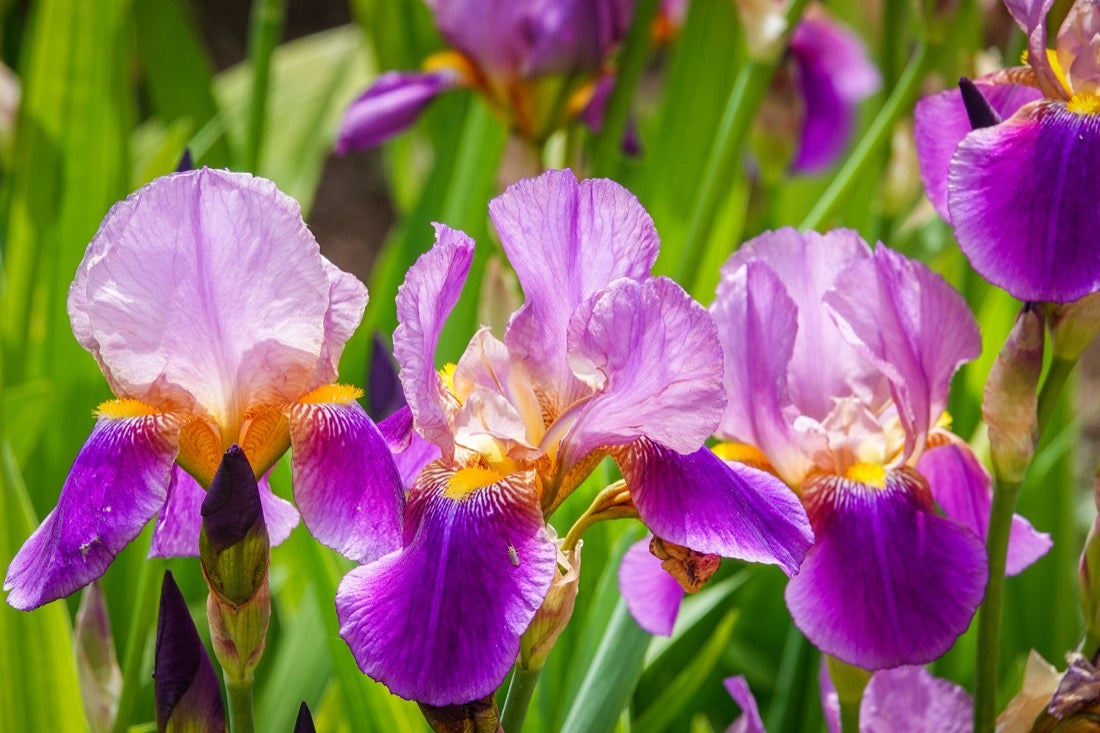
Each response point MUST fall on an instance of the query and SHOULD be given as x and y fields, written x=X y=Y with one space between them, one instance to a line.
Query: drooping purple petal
x=345 y=482
x=910 y=700
x=205 y=291
x=651 y=594
x=566 y=240
x=913 y=326
x=653 y=357
x=388 y=107
x=963 y=489
x=411 y=453
x=424 y=301
x=941 y=123
x=1019 y=195
x=729 y=509
x=749 y=720
x=439 y=621
x=117 y=483
x=834 y=76
x=887 y=582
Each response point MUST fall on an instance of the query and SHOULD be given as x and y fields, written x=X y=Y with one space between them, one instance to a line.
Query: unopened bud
x=690 y=568
x=1010 y=404
x=304 y=723
x=478 y=716
x=554 y=613
x=764 y=22
x=96 y=663
x=1073 y=327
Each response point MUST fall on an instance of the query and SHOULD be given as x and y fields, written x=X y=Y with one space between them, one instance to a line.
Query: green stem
x=794 y=648
x=1056 y=379
x=520 y=692
x=899 y=103
x=849 y=716
x=989 y=616
x=239 y=695
x=149 y=580
x=744 y=100
x=265 y=28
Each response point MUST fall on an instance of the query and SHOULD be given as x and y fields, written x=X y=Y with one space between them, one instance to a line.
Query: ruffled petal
x=750 y=720
x=1031 y=16
x=913 y=326
x=205 y=291
x=347 y=299
x=390 y=105
x=345 y=482
x=566 y=240
x=117 y=483
x=431 y=289
x=941 y=123
x=963 y=489
x=651 y=594
x=1020 y=197
x=834 y=76
x=910 y=700
x=280 y=516
x=887 y=582
x=411 y=453
x=653 y=357
x=440 y=620
x=729 y=509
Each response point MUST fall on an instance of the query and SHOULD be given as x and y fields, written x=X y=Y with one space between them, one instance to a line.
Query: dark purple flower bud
x=185 y=686
x=385 y=396
x=978 y=109
x=186 y=161
x=304 y=724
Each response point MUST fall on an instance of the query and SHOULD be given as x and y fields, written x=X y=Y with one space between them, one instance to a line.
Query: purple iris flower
x=526 y=57
x=215 y=320
x=601 y=359
x=1018 y=190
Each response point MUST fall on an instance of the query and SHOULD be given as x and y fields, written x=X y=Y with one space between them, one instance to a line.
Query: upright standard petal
x=566 y=240
x=963 y=489
x=887 y=582
x=652 y=355
x=913 y=326
x=389 y=106
x=424 y=301
x=117 y=483
x=345 y=482
x=440 y=620
x=729 y=509
x=652 y=595
x=1020 y=196
x=205 y=292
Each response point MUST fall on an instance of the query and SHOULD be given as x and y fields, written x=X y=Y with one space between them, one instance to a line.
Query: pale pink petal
x=651 y=594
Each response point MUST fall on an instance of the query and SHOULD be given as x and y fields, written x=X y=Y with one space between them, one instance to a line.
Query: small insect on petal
x=513 y=556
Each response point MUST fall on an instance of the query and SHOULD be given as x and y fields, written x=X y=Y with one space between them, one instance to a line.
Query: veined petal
x=574 y=36
x=1031 y=16
x=566 y=240
x=424 y=301
x=729 y=509
x=345 y=482
x=205 y=292
x=411 y=453
x=887 y=582
x=1018 y=193
x=1078 y=47
x=347 y=299
x=117 y=483
x=651 y=594
x=913 y=326
x=963 y=489
x=439 y=621
x=389 y=106
x=941 y=123
x=652 y=355
x=910 y=700
x=749 y=720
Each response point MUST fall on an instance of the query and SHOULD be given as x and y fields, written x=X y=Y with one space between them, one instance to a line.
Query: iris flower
x=215 y=320
x=1018 y=190
x=533 y=61
x=601 y=359
x=838 y=362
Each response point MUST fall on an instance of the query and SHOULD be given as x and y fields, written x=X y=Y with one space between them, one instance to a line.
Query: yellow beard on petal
x=870 y=474
x=124 y=408
x=1084 y=104
x=341 y=394
x=466 y=481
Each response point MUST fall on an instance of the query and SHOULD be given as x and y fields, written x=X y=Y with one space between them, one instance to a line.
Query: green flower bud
x=1010 y=404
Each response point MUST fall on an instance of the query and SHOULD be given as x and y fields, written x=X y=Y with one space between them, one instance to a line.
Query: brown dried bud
x=477 y=716
x=690 y=568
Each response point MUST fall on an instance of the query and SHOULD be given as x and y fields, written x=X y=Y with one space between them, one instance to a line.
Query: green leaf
x=28 y=406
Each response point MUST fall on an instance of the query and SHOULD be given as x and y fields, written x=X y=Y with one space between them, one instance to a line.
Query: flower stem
x=520 y=691
x=149 y=579
x=265 y=28
x=239 y=695
x=849 y=716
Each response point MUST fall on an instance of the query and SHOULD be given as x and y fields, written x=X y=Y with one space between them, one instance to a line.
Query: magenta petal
x=750 y=720
x=963 y=489
x=888 y=582
x=941 y=123
x=411 y=453
x=729 y=509
x=345 y=481
x=566 y=240
x=913 y=326
x=439 y=621
x=651 y=594
x=1023 y=213
x=910 y=700
x=431 y=289
x=280 y=516
x=389 y=106
x=117 y=483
